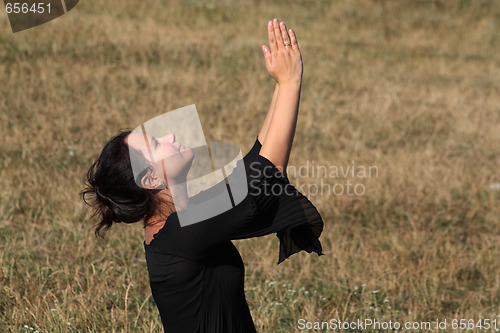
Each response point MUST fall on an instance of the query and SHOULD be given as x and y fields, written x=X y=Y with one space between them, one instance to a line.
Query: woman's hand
x=283 y=58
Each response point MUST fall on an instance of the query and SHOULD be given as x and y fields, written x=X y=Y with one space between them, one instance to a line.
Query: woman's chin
x=186 y=151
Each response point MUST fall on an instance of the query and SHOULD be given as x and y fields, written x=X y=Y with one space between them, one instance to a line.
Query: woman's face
x=169 y=158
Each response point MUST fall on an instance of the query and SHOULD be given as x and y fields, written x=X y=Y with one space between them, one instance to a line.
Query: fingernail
x=282 y=24
x=290 y=31
x=276 y=20
x=270 y=23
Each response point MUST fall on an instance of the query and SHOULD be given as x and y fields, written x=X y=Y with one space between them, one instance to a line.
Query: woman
x=196 y=274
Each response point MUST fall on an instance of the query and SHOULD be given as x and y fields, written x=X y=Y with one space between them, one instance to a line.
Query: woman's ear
x=151 y=181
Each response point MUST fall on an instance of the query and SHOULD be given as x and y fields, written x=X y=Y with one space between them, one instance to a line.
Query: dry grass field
x=410 y=87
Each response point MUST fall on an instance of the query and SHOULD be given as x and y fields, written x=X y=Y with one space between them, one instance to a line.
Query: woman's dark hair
x=115 y=196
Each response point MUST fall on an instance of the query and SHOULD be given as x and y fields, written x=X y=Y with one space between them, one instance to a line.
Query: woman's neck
x=179 y=196
x=172 y=199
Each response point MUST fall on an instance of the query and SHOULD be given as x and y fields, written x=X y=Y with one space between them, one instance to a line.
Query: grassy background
x=411 y=87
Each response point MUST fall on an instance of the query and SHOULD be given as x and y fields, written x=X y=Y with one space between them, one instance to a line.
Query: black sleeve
x=282 y=209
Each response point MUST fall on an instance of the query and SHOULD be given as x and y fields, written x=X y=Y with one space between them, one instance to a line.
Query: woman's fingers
x=285 y=36
x=277 y=34
x=272 y=39
x=293 y=39
x=267 y=55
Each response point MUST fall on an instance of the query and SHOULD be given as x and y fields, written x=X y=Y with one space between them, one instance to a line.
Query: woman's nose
x=169 y=138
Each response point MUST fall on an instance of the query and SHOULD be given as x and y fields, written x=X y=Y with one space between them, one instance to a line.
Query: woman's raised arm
x=284 y=64
x=269 y=115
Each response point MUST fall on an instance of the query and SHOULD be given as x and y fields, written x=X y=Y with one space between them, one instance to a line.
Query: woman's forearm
x=279 y=138
x=267 y=121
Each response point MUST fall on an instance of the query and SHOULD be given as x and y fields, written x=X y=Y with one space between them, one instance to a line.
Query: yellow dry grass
x=411 y=87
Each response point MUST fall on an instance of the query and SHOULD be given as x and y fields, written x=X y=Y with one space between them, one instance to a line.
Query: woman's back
x=201 y=296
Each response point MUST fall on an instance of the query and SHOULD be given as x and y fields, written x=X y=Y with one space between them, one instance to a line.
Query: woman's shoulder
x=262 y=167
x=253 y=152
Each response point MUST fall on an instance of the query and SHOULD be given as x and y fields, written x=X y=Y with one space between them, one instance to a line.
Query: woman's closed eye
x=155 y=142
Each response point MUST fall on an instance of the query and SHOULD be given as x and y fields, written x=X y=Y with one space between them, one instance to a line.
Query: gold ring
x=288 y=44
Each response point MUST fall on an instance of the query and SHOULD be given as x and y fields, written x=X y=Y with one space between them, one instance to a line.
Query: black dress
x=196 y=273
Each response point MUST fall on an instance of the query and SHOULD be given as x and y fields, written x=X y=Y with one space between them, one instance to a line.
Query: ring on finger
x=288 y=44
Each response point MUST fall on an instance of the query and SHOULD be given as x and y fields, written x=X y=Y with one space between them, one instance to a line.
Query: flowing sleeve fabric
x=282 y=208
x=273 y=205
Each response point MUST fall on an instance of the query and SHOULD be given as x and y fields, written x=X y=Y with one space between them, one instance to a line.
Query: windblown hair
x=113 y=191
